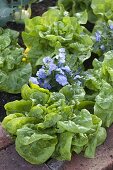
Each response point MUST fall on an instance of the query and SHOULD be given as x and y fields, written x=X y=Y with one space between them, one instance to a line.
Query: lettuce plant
x=55 y=29
x=100 y=80
x=103 y=9
x=79 y=8
x=13 y=72
x=48 y=124
x=96 y=9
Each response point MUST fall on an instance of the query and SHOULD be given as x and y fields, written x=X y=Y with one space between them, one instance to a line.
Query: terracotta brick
x=10 y=160
x=5 y=139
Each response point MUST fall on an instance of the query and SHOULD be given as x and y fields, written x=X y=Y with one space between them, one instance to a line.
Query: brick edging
x=5 y=139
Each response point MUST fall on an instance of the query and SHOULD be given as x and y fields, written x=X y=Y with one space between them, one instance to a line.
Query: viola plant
x=54 y=72
x=103 y=37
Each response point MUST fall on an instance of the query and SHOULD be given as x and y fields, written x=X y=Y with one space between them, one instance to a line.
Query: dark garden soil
x=37 y=9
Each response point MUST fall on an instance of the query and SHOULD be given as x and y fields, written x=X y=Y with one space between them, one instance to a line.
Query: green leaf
x=28 y=140
x=37 y=112
x=82 y=17
x=102 y=8
x=13 y=122
x=73 y=92
x=50 y=120
x=17 y=106
x=54 y=97
x=63 y=149
x=94 y=140
x=13 y=72
x=103 y=105
x=80 y=140
x=35 y=93
x=84 y=119
x=107 y=66
x=93 y=77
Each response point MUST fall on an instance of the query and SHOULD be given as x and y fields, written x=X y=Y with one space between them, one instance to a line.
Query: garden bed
x=64 y=112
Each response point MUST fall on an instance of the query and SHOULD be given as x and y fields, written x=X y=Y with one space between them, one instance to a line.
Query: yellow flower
x=26 y=50
x=24 y=59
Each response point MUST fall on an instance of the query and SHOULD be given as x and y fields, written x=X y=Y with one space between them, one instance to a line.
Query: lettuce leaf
x=13 y=72
x=73 y=93
x=79 y=7
x=103 y=9
x=39 y=147
x=18 y=106
x=63 y=148
x=13 y=122
x=103 y=105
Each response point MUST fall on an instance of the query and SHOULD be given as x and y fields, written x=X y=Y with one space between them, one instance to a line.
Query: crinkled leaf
x=102 y=8
x=94 y=140
x=16 y=121
x=37 y=112
x=84 y=119
x=82 y=17
x=33 y=147
x=80 y=140
x=18 y=106
x=50 y=120
x=63 y=148
x=73 y=92
x=13 y=72
x=54 y=97
x=103 y=106
x=36 y=94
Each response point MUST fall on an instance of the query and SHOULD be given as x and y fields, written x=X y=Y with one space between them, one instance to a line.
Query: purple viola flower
x=41 y=73
x=61 y=57
x=77 y=77
x=102 y=47
x=34 y=80
x=60 y=71
x=67 y=69
x=61 y=79
x=52 y=67
x=98 y=36
x=46 y=85
x=62 y=50
x=47 y=60
x=111 y=26
x=40 y=82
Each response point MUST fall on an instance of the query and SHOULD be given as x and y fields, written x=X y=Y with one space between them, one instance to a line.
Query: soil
x=5 y=98
x=37 y=9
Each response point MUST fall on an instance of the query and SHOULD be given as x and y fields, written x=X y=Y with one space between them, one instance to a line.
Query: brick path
x=10 y=160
